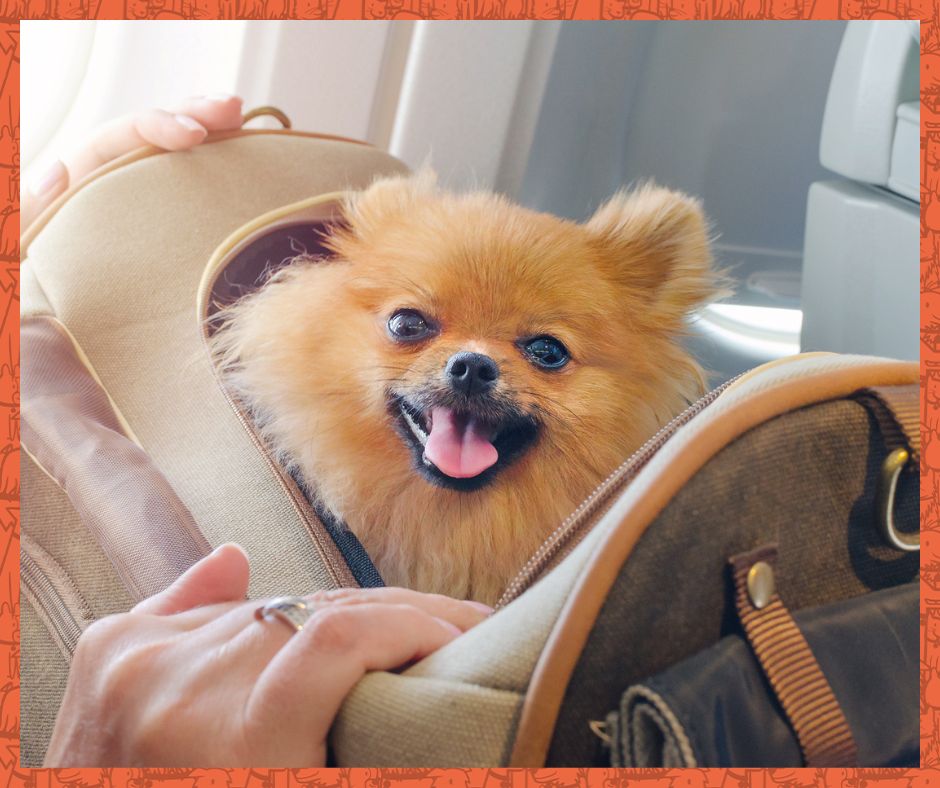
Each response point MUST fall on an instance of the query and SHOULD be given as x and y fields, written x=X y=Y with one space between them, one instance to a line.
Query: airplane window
x=77 y=75
x=54 y=60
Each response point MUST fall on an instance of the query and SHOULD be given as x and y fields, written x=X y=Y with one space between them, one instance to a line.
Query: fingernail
x=234 y=545
x=480 y=606
x=219 y=97
x=40 y=185
x=189 y=123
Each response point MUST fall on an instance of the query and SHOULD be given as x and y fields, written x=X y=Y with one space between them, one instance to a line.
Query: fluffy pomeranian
x=464 y=371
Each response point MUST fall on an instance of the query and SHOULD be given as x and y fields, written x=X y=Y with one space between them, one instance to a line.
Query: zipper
x=567 y=535
x=338 y=568
x=65 y=619
x=323 y=543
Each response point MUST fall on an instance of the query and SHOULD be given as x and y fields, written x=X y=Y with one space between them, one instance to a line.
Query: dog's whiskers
x=555 y=403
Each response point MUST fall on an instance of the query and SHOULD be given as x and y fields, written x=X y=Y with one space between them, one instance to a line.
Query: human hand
x=189 y=677
x=179 y=129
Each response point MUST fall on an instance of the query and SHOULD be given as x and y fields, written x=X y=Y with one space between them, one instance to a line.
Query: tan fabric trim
x=29 y=235
x=787 y=660
x=245 y=234
x=903 y=403
x=740 y=408
x=797 y=358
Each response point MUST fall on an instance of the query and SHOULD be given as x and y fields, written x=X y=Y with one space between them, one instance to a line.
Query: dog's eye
x=547 y=352
x=408 y=325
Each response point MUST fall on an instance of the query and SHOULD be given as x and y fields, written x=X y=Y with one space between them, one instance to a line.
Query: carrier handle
x=266 y=110
x=896 y=409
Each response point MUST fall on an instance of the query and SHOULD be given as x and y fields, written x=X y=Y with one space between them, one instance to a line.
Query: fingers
x=234 y=623
x=455 y=611
x=214 y=113
x=41 y=190
x=303 y=686
x=153 y=127
x=260 y=640
x=222 y=576
x=114 y=139
x=182 y=128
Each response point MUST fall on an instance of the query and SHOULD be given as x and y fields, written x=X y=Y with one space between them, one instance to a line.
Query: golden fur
x=311 y=356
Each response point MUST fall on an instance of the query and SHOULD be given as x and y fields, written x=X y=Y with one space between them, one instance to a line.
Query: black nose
x=471 y=373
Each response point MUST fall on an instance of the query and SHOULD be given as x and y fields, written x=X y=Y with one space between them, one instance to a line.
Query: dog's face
x=467 y=342
x=492 y=326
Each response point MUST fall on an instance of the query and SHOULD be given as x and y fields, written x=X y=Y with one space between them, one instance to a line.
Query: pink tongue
x=457 y=447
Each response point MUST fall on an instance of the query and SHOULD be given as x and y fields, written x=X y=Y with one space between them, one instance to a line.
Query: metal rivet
x=760 y=584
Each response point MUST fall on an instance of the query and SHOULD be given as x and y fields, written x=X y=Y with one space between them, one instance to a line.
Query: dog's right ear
x=654 y=241
x=386 y=200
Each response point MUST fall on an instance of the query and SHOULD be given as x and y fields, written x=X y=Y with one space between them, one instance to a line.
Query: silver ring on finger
x=294 y=611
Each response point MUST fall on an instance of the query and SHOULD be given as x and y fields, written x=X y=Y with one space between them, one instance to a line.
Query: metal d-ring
x=884 y=502
x=260 y=112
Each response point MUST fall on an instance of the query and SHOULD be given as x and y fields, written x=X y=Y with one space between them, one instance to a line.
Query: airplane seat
x=860 y=286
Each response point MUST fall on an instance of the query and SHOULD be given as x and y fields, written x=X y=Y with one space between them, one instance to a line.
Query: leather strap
x=898 y=414
x=788 y=662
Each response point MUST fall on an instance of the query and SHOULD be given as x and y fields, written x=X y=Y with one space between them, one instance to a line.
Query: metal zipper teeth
x=590 y=509
x=42 y=589
x=341 y=575
x=340 y=578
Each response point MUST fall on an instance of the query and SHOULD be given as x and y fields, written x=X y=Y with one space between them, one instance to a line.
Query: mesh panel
x=71 y=428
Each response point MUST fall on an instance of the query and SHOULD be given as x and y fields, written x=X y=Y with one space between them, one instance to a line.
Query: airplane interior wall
x=693 y=106
x=555 y=115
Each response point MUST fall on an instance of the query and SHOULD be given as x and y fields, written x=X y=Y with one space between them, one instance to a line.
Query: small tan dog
x=466 y=371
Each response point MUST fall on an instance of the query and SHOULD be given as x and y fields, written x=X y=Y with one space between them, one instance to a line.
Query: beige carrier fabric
x=127 y=293
x=392 y=719
x=43 y=673
x=426 y=720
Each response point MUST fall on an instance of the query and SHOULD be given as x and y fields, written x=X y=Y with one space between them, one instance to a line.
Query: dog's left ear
x=655 y=242
x=387 y=200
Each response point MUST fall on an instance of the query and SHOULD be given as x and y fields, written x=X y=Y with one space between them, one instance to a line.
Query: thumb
x=41 y=191
x=222 y=576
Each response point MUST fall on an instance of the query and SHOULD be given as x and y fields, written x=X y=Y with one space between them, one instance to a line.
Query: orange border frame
x=929 y=13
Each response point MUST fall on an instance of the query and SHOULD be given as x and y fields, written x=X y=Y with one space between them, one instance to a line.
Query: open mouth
x=456 y=448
